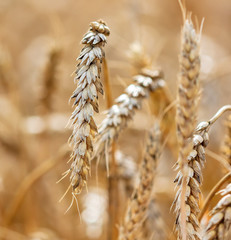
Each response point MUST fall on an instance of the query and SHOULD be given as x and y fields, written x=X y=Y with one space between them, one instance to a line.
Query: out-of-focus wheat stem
x=220 y=159
x=107 y=84
x=212 y=193
x=113 y=196
x=28 y=182
x=226 y=148
x=141 y=197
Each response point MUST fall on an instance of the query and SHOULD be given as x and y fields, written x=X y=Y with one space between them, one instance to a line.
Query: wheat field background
x=39 y=41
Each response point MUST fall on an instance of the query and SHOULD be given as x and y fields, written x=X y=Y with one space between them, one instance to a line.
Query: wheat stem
x=212 y=193
x=226 y=148
x=113 y=202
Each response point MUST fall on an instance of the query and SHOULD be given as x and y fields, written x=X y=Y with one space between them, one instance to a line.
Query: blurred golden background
x=36 y=35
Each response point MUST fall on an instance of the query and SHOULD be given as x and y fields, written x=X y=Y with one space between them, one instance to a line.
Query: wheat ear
x=86 y=102
x=124 y=109
x=49 y=78
x=186 y=118
x=195 y=162
x=220 y=221
x=226 y=148
x=141 y=197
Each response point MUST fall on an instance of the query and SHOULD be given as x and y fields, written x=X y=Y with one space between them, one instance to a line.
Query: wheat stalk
x=226 y=148
x=124 y=109
x=141 y=197
x=86 y=101
x=220 y=221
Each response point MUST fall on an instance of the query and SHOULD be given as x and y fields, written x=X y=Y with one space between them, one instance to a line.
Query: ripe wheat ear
x=186 y=117
x=141 y=197
x=86 y=102
x=124 y=109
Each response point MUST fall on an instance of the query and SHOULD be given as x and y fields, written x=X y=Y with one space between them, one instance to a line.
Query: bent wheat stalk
x=220 y=221
x=86 y=102
x=141 y=197
x=226 y=148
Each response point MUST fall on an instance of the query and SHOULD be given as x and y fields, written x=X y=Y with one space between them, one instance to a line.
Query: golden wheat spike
x=86 y=101
x=189 y=175
x=141 y=197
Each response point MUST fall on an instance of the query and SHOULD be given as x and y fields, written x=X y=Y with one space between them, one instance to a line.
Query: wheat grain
x=220 y=221
x=86 y=101
x=141 y=197
x=124 y=108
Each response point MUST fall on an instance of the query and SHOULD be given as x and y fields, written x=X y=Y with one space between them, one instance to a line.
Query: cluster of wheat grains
x=141 y=197
x=196 y=160
x=86 y=102
x=219 y=224
x=124 y=109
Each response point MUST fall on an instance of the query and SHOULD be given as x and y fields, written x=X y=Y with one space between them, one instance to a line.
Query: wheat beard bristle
x=141 y=197
x=86 y=102
x=186 y=117
x=220 y=221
